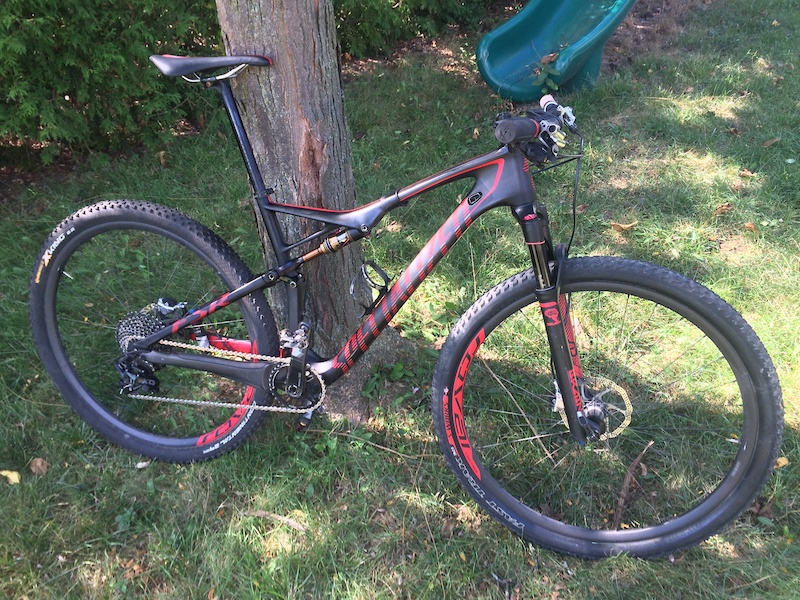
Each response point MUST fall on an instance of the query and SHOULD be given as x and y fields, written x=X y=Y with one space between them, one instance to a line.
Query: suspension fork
x=555 y=312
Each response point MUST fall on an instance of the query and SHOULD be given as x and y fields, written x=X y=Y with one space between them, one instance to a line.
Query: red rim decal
x=454 y=410
x=236 y=419
x=231 y=423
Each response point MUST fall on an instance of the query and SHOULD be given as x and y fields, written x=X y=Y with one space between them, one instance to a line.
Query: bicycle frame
x=501 y=178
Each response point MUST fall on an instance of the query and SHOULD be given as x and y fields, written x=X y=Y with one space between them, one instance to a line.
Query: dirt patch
x=652 y=25
x=738 y=250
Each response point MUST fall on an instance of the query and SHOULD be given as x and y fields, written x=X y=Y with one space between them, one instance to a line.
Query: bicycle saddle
x=175 y=66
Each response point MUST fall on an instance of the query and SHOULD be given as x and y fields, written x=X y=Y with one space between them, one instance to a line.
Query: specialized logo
x=454 y=425
x=233 y=425
x=474 y=198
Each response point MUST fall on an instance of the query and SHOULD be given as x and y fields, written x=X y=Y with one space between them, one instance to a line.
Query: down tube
x=422 y=265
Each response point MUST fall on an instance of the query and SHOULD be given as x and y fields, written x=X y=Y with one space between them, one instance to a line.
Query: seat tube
x=536 y=230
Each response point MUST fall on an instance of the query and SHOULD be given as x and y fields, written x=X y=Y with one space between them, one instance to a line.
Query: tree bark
x=294 y=114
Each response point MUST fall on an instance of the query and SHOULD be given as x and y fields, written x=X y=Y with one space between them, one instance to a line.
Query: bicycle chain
x=246 y=356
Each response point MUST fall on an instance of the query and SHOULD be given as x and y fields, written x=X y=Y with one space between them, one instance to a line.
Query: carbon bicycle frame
x=501 y=178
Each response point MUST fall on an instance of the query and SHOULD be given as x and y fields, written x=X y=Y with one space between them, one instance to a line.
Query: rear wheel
x=115 y=272
x=688 y=398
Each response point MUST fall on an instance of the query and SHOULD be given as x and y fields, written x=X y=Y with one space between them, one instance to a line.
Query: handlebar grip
x=516 y=129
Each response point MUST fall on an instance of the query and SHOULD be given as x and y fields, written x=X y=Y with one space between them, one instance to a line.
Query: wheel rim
x=113 y=273
x=686 y=395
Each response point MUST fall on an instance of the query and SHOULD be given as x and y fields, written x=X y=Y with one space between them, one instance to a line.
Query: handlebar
x=538 y=133
x=511 y=130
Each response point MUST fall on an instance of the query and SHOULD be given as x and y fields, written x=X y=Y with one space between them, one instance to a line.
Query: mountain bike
x=592 y=405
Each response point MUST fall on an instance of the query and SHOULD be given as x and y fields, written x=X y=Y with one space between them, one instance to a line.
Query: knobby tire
x=694 y=411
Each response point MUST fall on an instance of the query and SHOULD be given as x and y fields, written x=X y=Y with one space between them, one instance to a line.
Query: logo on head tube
x=474 y=198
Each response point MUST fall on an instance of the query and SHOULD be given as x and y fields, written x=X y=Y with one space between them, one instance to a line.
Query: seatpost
x=223 y=86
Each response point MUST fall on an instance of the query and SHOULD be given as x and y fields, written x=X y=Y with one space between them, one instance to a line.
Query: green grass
x=680 y=142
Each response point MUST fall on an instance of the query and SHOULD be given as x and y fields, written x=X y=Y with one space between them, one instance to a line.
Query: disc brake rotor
x=617 y=404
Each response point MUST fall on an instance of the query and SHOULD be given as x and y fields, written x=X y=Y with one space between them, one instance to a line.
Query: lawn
x=693 y=143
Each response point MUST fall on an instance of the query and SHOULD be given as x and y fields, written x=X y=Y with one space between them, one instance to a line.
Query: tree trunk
x=295 y=118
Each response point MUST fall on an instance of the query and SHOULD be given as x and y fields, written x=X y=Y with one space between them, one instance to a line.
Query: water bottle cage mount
x=369 y=280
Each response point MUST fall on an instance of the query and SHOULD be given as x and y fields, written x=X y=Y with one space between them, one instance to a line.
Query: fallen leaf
x=448 y=526
x=475 y=133
x=776 y=23
x=723 y=208
x=746 y=173
x=39 y=466
x=162 y=158
x=623 y=227
x=11 y=476
x=771 y=142
x=676 y=561
x=264 y=514
x=750 y=227
x=781 y=462
x=763 y=509
x=581 y=209
x=462 y=556
x=546 y=60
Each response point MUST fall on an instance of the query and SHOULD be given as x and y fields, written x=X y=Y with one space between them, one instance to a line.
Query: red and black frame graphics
x=501 y=178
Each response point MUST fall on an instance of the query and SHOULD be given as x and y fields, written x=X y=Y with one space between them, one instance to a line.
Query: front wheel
x=116 y=272
x=689 y=400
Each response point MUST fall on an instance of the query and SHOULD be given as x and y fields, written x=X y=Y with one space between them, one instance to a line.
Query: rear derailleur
x=136 y=375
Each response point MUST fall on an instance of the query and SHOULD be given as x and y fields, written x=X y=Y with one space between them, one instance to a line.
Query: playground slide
x=557 y=39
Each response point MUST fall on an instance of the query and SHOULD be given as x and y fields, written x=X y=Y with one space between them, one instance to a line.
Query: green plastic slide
x=549 y=43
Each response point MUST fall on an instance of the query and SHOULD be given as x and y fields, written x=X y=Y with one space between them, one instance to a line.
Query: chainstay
x=244 y=356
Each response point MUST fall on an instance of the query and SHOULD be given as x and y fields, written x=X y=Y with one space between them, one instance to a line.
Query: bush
x=76 y=72
x=368 y=27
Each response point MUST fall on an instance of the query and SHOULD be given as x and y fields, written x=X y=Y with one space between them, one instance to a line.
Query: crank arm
x=255 y=374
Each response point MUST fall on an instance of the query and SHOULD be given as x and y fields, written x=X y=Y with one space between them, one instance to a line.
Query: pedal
x=303 y=422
